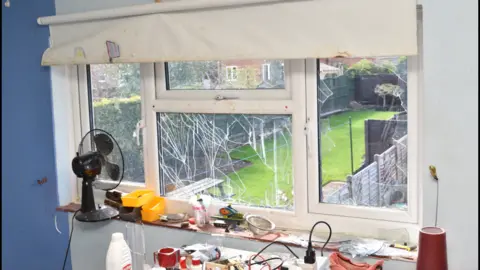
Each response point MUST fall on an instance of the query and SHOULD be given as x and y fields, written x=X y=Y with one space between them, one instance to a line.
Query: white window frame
x=375 y=213
x=205 y=102
x=301 y=78
x=201 y=94
x=84 y=126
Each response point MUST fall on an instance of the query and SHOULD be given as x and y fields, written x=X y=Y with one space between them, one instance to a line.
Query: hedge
x=119 y=117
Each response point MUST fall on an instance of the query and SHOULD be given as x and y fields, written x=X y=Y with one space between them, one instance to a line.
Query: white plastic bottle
x=118 y=254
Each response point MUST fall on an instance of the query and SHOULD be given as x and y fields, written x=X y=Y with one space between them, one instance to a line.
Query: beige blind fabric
x=188 y=30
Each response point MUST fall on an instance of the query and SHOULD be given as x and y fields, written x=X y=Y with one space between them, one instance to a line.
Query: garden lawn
x=255 y=183
x=336 y=165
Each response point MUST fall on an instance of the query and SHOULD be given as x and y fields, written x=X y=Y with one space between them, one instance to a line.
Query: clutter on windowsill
x=143 y=205
x=294 y=239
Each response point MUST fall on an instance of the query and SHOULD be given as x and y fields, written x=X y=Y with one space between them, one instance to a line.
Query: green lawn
x=336 y=156
x=254 y=181
x=257 y=180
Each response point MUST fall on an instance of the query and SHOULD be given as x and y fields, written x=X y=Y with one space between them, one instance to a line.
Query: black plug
x=309 y=255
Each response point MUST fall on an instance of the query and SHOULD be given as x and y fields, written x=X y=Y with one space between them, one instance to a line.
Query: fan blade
x=113 y=170
x=103 y=143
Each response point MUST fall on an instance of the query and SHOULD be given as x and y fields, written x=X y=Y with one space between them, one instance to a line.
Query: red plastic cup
x=432 y=249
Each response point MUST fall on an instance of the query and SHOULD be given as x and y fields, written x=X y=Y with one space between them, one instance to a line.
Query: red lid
x=191 y=221
x=183 y=263
x=196 y=261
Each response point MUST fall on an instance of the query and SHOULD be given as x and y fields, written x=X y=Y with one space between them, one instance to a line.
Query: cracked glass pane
x=226 y=75
x=115 y=104
x=236 y=158
x=362 y=112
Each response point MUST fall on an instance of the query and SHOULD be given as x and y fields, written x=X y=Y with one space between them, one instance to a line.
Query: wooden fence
x=335 y=94
x=381 y=183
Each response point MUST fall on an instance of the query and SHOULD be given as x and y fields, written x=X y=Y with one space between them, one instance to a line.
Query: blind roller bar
x=168 y=7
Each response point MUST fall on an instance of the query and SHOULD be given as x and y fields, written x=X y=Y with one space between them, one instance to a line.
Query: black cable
x=69 y=240
x=275 y=242
x=270 y=259
x=310 y=254
x=264 y=261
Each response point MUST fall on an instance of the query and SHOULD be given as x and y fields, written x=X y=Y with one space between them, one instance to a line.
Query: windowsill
x=209 y=229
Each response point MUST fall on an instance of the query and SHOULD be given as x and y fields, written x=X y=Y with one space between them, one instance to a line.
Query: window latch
x=220 y=97
x=136 y=134
x=306 y=130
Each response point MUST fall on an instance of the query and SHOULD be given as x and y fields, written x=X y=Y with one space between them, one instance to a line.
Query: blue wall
x=29 y=238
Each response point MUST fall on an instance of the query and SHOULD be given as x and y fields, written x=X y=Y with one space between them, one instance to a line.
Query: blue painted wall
x=29 y=238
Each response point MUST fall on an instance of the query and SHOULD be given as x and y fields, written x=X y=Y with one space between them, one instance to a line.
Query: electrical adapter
x=321 y=263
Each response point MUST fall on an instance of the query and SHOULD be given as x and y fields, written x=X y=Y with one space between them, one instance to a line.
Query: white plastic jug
x=118 y=254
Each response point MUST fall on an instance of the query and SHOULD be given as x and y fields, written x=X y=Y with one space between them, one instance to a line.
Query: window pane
x=362 y=107
x=226 y=75
x=236 y=158
x=116 y=106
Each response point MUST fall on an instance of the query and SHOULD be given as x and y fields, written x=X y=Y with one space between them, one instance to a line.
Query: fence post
x=395 y=144
x=376 y=158
x=351 y=143
x=367 y=145
x=369 y=188
x=350 y=188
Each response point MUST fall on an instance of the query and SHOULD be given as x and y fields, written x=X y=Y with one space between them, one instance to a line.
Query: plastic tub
x=153 y=209
x=137 y=198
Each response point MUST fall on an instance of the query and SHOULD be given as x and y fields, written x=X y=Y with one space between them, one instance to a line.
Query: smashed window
x=237 y=158
x=362 y=112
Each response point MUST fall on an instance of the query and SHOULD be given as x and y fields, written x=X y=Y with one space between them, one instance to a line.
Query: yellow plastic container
x=137 y=198
x=153 y=209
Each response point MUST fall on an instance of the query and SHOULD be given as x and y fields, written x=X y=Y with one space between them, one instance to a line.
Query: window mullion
x=84 y=111
x=150 y=147
x=83 y=99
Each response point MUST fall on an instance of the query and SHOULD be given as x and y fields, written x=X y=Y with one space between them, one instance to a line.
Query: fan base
x=101 y=214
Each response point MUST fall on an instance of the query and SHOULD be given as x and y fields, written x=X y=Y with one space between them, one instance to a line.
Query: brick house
x=261 y=69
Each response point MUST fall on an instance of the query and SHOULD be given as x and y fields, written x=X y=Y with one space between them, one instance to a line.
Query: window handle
x=308 y=135
x=140 y=125
x=220 y=97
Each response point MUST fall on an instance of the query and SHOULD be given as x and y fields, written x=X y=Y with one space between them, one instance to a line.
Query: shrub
x=367 y=67
x=119 y=117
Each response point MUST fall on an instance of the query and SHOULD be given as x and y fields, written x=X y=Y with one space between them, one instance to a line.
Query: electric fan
x=101 y=157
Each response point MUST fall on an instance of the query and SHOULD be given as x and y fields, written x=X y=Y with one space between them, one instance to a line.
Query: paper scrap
x=79 y=53
x=113 y=50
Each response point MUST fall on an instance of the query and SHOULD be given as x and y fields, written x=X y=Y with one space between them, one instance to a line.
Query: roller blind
x=189 y=30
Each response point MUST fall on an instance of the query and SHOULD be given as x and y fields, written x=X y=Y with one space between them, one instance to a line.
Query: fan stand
x=88 y=211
